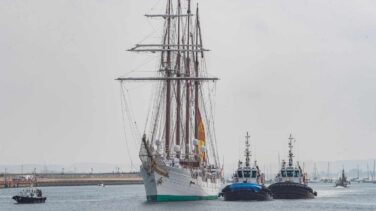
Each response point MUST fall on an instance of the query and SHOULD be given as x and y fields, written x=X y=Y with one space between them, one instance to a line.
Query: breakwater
x=72 y=179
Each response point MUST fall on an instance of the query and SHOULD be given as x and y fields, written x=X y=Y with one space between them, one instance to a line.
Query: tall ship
x=178 y=150
x=247 y=181
x=291 y=182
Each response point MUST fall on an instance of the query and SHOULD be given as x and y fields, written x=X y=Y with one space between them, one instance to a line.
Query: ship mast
x=178 y=105
x=291 y=155
x=247 y=151
x=187 y=74
x=168 y=83
x=196 y=82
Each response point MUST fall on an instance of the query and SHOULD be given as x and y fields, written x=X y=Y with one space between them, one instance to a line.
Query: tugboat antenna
x=291 y=155
x=247 y=151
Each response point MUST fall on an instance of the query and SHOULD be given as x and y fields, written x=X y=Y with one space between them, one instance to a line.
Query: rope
x=123 y=120
x=132 y=123
x=146 y=61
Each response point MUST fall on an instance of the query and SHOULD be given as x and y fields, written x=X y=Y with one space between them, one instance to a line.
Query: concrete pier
x=76 y=179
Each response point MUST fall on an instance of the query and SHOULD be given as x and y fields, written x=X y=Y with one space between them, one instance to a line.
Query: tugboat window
x=283 y=173
x=296 y=174
x=254 y=173
x=240 y=174
x=247 y=174
x=290 y=173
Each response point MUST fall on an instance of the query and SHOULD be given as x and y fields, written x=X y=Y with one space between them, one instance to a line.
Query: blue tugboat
x=291 y=182
x=248 y=182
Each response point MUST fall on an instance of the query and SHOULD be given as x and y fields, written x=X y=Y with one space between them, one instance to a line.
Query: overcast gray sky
x=306 y=67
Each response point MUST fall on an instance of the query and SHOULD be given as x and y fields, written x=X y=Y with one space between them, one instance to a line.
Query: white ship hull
x=178 y=186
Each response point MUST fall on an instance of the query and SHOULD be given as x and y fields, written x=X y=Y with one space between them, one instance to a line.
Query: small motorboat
x=247 y=182
x=342 y=181
x=29 y=196
x=291 y=182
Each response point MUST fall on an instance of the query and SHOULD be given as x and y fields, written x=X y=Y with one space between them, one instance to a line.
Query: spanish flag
x=200 y=136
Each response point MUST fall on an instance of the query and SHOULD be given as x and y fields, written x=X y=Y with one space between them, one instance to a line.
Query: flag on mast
x=201 y=136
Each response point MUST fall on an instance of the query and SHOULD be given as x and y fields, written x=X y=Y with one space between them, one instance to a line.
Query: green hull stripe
x=161 y=198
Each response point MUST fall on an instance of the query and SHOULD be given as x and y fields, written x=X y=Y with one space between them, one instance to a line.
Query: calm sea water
x=132 y=197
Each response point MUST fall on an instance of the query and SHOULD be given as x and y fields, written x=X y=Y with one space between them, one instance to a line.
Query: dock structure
x=68 y=179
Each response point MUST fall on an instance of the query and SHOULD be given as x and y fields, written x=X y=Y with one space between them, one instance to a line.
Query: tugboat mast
x=247 y=151
x=291 y=155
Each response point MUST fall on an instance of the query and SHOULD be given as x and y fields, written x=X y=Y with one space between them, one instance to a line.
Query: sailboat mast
x=178 y=84
x=374 y=166
x=168 y=83
x=357 y=167
x=187 y=109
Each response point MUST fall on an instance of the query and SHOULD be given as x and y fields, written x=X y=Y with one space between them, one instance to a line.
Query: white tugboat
x=291 y=182
x=247 y=181
x=178 y=148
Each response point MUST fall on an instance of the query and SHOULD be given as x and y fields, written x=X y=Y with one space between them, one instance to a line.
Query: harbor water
x=132 y=197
